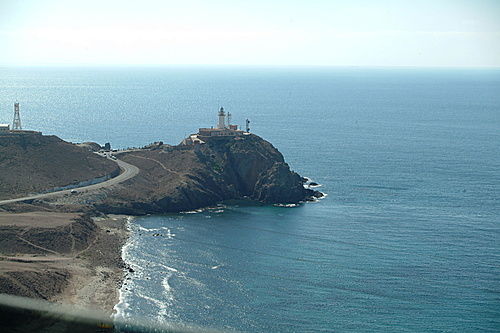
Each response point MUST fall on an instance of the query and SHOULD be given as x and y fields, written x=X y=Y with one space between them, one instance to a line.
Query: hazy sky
x=255 y=32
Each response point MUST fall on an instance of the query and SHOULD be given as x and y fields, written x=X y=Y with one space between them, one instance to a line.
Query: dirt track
x=83 y=274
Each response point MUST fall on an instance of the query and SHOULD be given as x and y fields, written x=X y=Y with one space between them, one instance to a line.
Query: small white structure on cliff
x=4 y=129
x=224 y=129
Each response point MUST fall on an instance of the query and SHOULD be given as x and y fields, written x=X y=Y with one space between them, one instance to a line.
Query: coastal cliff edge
x=182 y=178
x=67 y=248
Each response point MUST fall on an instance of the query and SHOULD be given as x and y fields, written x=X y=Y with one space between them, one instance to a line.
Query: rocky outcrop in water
x=182 y=178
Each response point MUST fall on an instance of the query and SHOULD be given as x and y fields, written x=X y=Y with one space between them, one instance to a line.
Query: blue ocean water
x=406 y=240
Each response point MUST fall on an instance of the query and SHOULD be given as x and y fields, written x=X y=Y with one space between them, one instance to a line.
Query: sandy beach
x=98 y=272
x=66 y=258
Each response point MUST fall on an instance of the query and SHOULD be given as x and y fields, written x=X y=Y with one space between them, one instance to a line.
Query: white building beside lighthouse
x=224 y=128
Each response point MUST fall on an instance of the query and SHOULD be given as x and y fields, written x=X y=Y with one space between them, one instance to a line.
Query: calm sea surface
x=407 y=240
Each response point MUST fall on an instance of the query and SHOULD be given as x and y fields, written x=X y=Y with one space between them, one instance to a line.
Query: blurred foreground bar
x=20 y=314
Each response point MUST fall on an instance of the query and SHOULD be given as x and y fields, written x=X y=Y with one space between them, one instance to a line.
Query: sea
x=406 y=239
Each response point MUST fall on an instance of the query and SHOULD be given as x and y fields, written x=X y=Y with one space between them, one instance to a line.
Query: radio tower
x=16 y=126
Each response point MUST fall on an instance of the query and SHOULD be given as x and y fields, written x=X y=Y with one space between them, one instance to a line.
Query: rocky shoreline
x=67 y=248
x=184 y=178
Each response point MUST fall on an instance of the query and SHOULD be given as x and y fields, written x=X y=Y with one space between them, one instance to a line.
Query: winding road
x=128 y=171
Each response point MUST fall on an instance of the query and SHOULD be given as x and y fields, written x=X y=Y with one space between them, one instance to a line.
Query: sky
x=421 y=33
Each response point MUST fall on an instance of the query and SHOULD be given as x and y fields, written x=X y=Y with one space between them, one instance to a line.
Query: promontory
x=61 y=240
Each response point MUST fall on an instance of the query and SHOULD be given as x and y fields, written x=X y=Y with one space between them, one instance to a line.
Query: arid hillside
x=36 y=163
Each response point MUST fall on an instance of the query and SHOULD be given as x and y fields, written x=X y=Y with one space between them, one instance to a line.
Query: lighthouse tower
x=224 y=129
x=222 y=119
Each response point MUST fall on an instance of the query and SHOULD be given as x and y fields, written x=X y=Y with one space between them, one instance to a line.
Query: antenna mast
x=16 y=125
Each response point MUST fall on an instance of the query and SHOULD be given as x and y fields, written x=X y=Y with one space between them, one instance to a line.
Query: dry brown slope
x=31 y=245
x=36 y=163
x=64 y=257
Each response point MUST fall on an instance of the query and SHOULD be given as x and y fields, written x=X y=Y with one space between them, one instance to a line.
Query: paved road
x=128 y=171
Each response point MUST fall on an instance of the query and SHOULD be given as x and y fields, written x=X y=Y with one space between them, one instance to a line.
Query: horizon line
x=240 y=65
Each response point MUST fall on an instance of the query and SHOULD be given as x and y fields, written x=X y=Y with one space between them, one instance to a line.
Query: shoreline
x=97 y=286
x=80 y=265
x=115 y=309
x=72 y=252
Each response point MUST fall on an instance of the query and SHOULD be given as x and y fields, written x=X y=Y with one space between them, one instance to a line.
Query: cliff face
x=181 y=178
x=252 y=167
x=280 y=185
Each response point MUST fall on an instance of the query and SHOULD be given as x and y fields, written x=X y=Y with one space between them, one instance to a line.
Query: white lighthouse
x=224 y=129
x=222 y=119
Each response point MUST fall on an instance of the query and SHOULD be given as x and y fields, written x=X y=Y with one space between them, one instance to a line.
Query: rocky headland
x=182 y=178
x=67 y=248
